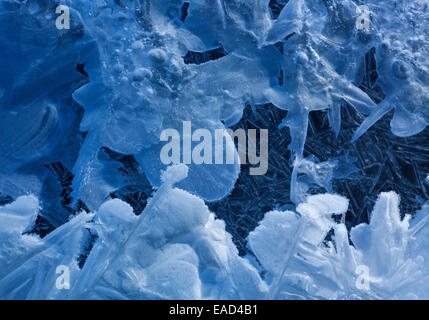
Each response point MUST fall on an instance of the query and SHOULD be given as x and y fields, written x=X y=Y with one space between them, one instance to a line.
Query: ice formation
x=83 y=109
x=139 y=257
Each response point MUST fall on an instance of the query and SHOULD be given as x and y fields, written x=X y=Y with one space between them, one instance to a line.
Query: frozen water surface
x=341 y=85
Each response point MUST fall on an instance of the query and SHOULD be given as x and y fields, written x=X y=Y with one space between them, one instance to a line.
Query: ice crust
x=82 y=111
x=140 y=257
x=308 y=58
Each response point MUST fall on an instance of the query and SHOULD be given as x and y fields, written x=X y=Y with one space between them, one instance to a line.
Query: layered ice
x=140 y=257
x=385 y=248
x=82 y=111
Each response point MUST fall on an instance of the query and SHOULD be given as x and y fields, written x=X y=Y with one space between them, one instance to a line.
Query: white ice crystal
x=29 y=264
x=302 y=268
x=401 y=42
x=136 y=81
x=140 y=257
